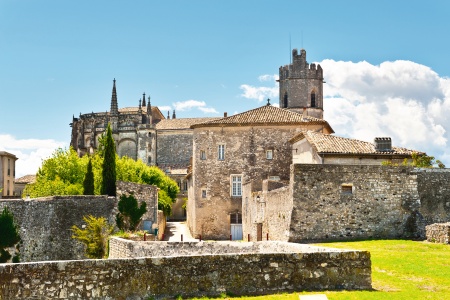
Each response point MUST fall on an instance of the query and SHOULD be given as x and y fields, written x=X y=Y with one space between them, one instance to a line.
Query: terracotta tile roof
x=325 y=143
x=182 y=123
x=26 y=179
x=265 y=115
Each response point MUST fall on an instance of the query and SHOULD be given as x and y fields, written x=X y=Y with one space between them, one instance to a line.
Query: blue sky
x=385 y=62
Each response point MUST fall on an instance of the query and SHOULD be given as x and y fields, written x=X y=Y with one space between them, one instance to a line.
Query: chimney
x=383 y=144
x=225 y=114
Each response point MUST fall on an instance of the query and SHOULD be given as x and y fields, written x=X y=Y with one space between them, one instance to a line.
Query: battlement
x=300 y=68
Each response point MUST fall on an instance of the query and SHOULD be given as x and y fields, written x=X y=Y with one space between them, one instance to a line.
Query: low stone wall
x=123 y=248
x=190 y=276
x=438 y=233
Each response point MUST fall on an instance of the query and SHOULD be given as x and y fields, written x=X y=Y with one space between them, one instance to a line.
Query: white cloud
x=261 y=93
x=30 y=152
x=190 y=104
x=402 y=99
x=165 y=108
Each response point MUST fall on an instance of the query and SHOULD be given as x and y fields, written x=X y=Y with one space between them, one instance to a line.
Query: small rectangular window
x=269 y=154
x=185 y=185
x=203 y=193
x=347 y=189
x=236 y=185
x=202 y=154
x=221 y=152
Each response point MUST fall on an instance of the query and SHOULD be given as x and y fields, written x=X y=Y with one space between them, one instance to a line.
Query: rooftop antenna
x=302 y=40
x=290 y=49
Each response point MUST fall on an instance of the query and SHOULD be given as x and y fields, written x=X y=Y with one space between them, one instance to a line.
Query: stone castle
x=213 y=159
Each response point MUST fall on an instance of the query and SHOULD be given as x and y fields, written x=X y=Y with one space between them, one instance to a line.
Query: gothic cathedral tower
x=301 y=86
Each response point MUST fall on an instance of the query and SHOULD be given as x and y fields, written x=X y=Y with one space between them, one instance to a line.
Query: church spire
x=114 y=108
x=143 y=99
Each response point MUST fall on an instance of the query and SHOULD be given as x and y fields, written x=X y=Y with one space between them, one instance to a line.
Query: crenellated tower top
x=301 y=86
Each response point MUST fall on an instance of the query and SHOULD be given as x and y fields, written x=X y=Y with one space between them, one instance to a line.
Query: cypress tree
x=88 y=183
x=109 y=165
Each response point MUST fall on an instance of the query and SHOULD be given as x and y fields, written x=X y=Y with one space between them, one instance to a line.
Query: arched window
x=313 y=99
x=285 y=100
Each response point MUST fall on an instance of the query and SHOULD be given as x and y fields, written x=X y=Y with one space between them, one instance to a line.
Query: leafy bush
x=9 y=235
x=94 y=236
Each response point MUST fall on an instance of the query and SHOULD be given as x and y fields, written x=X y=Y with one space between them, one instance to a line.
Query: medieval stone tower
x=301 y=86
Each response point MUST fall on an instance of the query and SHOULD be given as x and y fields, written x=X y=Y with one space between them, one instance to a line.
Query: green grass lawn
x=400 y=270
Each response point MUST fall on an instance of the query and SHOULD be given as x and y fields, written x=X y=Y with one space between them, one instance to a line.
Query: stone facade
x=296 y=268
x=45 y=223
x=438 y=233
x=301 y=86
x=342 y=202
x=244 y=149
x=174 y=148
x=266 y=213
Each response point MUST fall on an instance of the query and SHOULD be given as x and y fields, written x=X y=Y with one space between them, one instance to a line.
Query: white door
x=236 y=232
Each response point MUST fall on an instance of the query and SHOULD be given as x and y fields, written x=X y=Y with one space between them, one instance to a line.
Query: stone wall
x=142 y=192
x=124 y=248
x=174 y=148
x=161 y=224
x=337 y=202
x=438 y=233
x=434 y=192
x=188 y=276
x=269 y=209
x=45 y=223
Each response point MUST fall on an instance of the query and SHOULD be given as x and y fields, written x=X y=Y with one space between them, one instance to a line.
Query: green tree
x=109 y=166
x=418 y=161
x=94 y=236
x=9 y=235
x=130 y=213
x=88 y=183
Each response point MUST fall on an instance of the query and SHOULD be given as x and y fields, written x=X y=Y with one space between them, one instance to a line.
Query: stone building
x=254 y=143
x=311 y=147
x=7 y=174
x=341 y=202
x=20 y=184
x=141 y=132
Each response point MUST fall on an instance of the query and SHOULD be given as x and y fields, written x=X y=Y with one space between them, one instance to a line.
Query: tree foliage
x=94 y=236
x=64 y=172
x=9 y=235
x=418 y=161
x=88 y=183
x=130 y=213
x=109 y=165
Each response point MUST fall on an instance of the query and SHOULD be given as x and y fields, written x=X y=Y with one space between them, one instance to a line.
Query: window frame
x=236 y=185
x=269 y=157
x=221 y=152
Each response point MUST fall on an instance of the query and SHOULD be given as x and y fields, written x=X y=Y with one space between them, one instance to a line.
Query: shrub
x=94 y=236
